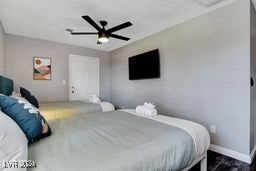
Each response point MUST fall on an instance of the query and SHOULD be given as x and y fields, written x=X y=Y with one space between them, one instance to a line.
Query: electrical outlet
x=213 y=129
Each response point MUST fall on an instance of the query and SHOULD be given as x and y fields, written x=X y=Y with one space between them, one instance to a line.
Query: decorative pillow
x=26 y=116
x=27 y=95
x=13 y=142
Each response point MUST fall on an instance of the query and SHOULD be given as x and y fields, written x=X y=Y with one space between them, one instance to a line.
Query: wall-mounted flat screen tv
x=145 y=65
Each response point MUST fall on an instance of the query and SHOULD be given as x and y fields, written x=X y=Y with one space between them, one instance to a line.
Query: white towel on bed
x=94 y=98
x=148 y=109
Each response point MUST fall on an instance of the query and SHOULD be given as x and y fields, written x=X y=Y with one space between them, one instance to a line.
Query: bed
x=116 y=140
x=121 y=140
x=59 y=110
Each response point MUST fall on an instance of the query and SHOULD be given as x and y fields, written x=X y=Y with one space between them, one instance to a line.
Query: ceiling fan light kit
x=103 y=34
x=103 y=37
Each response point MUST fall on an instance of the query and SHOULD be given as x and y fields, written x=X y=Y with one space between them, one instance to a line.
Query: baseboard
x=253 y=153
x=234 y=154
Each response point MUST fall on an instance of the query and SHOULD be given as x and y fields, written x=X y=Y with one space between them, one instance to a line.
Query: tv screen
x=145 y=66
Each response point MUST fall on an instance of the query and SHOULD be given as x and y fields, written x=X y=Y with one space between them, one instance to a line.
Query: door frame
x=69 y=70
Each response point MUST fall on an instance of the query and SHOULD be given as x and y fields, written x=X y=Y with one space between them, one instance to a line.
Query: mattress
x=113 y=141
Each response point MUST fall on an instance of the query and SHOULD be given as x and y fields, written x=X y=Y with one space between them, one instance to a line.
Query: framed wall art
x=42 y=68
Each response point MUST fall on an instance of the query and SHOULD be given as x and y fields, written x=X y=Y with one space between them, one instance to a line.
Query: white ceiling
x=48 y=19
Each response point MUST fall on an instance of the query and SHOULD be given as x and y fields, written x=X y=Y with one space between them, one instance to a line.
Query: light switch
x=64 y=82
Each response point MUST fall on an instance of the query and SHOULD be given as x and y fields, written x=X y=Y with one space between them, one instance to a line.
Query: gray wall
x=19 y=66
x=253 y=74
x=2 y=49
x=205 y=69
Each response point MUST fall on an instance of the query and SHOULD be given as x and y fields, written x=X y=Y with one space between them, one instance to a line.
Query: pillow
x=13 y=142
x=27 y=95
x=14 y=93
x=26 y=116
x=16 y=96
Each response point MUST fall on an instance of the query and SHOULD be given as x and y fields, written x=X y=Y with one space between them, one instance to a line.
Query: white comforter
x=198 y=132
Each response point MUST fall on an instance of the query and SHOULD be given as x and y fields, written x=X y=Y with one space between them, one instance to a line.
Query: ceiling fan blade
x=119 y=27
x=119 y=37
x=90 y=21
x=83 y=33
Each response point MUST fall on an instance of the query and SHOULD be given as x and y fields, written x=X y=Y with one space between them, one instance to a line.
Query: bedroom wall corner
x=19 y=66
x=2 y=49
x=253 y=75
x=205 y=74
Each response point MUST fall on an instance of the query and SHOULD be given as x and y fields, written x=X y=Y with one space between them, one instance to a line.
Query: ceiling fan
x=103 y=34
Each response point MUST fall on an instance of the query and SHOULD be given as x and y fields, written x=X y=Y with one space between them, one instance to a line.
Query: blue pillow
x=29 y=97
x=27 y=117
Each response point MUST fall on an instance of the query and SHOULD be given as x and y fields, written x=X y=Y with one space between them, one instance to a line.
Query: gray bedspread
x=60 y=110
x=112 y=141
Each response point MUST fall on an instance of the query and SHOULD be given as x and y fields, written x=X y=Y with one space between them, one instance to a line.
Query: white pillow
x=18 y=97
x=13 y=142
x=14 y=93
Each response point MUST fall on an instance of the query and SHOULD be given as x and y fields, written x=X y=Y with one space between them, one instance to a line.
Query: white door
x=83 y=77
